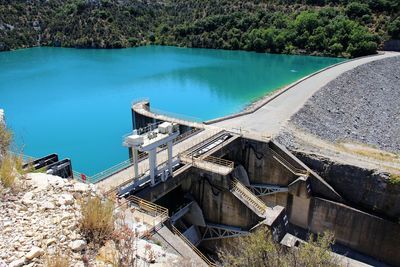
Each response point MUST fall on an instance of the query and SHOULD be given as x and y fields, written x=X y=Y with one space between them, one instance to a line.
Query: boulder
x=35 y=252
x=80 y=187
x=17 y=263
x=77 y=245
x=66 y=199
x=27 y=198
x=48 y=205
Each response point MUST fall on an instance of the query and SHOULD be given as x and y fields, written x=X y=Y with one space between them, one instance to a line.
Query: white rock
x=50 y=241
x=34 y=253
x=39 y=180
x=80 y=187
x=27 y=198
x=17 y=263
x=56 y=181
x=66 y=199
x=77 y=245
x=48 y=205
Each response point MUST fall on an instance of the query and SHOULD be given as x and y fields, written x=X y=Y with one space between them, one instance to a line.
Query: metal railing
x=288 y=165
x=244 y=192
x=193 y=247
x=219 y=161
x=177 y=116
x=139 y=100
x=81 y=177
x=149 y=207
x=158 y=213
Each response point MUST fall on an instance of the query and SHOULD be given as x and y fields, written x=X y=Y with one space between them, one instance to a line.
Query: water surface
x=77 y=102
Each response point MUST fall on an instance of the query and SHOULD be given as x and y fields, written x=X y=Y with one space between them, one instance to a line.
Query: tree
x=258 y=249
x=394 y=28
x=357 y=10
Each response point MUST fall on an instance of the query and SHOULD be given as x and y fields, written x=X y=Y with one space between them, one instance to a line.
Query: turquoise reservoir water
x=77 y=102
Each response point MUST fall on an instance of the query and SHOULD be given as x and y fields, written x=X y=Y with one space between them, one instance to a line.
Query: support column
x=170 y=158
x=153 y=165
x=135 y=162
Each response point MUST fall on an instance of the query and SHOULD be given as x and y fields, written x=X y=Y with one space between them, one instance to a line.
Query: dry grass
x=369 y=152
x=57 y=260
x=10 y=168
x=5 y=139
x=97 y=222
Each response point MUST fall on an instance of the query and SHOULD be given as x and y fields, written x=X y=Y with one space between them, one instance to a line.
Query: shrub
x=394 y=28
x=356 y=9
x=97 y=222
x=259 y=249
x=394 y=178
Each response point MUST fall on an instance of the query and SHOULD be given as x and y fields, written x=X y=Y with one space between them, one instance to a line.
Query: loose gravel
x=362 y=105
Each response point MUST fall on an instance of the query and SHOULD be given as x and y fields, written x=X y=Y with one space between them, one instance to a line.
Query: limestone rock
x=27 y=198
x=77 y=245
x=34 y=253
x=108 y=252
x=80 y=187
x=17 y=263
x=48 y=205
x=66 y=199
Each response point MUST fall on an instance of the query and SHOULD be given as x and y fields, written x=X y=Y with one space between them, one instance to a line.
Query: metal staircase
x=248 y=198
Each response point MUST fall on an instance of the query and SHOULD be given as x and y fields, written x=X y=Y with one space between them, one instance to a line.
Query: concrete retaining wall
x=358 y=230
x=364 y=188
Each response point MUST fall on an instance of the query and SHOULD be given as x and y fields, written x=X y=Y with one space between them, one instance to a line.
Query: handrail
x=288 y=165
x=139 y=100
x=219 y=161
x=193 y=247
x=81 y=177
x=116 y=188
x=149 y=206
x=174 y=115
x=248 y=195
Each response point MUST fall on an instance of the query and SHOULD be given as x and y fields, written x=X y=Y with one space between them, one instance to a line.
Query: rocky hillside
x=40 y=219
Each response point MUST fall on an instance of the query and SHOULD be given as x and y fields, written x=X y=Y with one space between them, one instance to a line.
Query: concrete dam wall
x=313 y=194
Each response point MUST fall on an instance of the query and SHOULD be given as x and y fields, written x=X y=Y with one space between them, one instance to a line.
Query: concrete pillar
x=170 y=157
x=153 y=165
x=135 y=162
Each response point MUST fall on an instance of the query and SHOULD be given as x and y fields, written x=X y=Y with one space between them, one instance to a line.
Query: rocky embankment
x=361 y=106
x=40 y=219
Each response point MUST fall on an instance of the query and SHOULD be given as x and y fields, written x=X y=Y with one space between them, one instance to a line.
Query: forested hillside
x=347 y=28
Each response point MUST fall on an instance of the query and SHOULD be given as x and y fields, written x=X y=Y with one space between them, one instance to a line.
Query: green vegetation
x=347 y=28
x=394 y=178
x=258 y=249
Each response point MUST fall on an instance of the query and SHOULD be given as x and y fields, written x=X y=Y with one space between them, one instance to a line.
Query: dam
x=205 y=185
x=199 y=186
